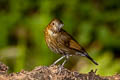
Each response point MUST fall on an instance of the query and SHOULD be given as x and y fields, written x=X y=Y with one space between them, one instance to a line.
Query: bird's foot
x=60 y=69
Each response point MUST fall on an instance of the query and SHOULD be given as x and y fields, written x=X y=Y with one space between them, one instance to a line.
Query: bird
x=61 y=42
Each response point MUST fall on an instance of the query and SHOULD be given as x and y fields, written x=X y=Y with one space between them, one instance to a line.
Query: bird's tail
x=91 y=59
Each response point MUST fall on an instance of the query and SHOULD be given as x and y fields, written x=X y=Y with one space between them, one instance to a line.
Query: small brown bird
x=59 y=41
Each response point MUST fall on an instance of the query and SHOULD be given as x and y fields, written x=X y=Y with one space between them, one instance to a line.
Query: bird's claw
x=60 y=69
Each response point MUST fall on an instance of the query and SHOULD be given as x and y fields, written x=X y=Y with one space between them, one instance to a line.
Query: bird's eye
x=52 y=23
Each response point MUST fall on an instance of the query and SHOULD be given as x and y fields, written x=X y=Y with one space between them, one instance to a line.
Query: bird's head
x=56 y=24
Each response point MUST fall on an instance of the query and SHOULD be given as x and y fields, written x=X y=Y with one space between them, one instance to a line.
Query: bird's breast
x=52 y=40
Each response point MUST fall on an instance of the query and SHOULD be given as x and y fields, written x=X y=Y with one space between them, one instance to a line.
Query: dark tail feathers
x=91 y=59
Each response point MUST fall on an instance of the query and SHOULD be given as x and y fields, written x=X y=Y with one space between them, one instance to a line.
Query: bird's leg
x=66 y=58
x=58 y=60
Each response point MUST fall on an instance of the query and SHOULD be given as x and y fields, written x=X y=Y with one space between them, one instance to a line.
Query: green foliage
x=94 y=24
x=107 y=65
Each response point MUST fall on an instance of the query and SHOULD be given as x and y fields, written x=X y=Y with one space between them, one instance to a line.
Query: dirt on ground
x=51 y=73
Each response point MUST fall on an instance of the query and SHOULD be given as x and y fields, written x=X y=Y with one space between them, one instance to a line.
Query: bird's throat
x=52 y=33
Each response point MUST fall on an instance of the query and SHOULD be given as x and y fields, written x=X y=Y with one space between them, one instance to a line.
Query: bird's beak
x=60 y=26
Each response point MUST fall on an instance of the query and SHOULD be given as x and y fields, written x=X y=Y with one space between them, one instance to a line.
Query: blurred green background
x=95 y=24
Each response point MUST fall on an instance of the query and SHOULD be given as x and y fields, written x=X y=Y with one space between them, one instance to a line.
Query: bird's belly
x=54 y=46
x=62 y=51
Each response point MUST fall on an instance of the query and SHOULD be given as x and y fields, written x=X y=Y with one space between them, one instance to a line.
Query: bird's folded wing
x=70 y=42
x=74 y=45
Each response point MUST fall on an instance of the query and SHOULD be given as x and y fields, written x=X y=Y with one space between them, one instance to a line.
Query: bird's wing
x=71 y=43
x=74 y=45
